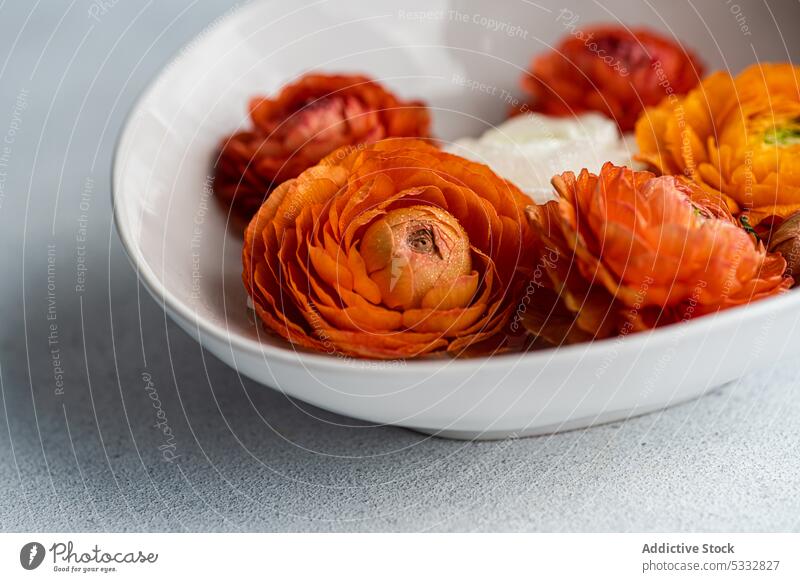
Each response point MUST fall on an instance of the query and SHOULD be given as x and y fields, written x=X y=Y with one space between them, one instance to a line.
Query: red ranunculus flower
x=610 y=69
x=306 y=121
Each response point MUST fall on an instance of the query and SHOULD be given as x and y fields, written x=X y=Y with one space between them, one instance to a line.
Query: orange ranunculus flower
x=389 y=250
x=627 y=251
x=610 y=69
x=739 y=136
x=306 y=121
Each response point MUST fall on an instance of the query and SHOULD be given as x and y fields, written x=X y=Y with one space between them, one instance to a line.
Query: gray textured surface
x=249 y=458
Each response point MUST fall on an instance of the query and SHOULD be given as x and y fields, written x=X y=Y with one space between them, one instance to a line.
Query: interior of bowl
x=464 y=58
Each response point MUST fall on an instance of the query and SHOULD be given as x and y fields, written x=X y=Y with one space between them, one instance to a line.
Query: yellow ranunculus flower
x=736 y=135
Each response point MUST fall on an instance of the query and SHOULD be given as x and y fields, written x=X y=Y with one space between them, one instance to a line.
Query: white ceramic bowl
x=188 y=253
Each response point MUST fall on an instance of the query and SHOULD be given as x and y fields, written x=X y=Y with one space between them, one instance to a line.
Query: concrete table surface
x=79 y=445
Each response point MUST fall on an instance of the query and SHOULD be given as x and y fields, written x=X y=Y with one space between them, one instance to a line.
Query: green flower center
x=787 y=135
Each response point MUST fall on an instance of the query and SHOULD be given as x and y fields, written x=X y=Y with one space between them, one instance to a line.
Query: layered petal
x=625 y=251
x=613 y=70
x=390 y=250
x=303 y=123
x=739 y=136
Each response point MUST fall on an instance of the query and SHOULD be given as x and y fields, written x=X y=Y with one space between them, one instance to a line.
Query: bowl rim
x=289 y=354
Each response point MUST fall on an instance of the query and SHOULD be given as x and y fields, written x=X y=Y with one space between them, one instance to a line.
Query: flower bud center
x=410 y=251
x=421 y=239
